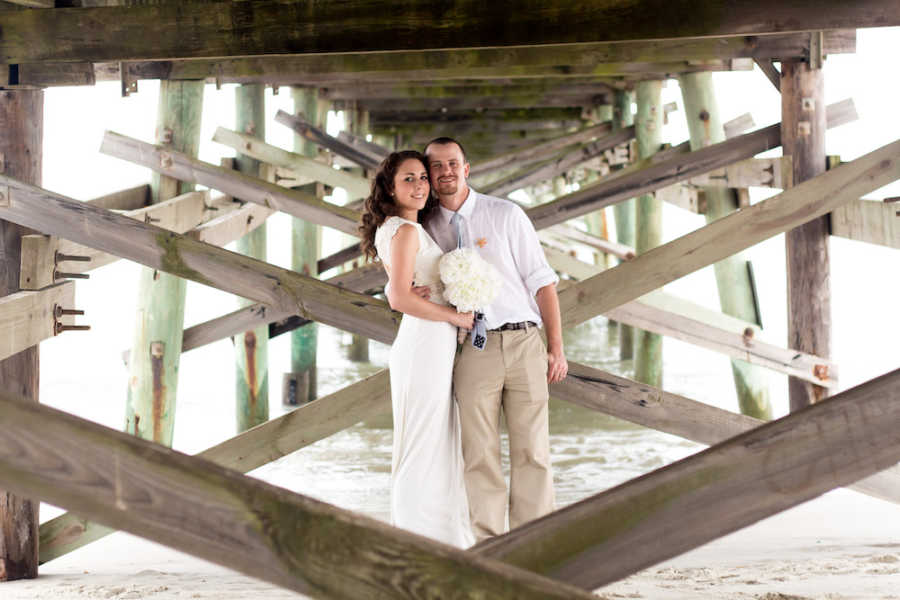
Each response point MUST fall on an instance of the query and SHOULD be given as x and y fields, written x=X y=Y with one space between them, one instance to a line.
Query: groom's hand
x=557 y=365
x=422 y=290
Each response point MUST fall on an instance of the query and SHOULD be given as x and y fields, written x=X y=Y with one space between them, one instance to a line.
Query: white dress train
x=428 y=494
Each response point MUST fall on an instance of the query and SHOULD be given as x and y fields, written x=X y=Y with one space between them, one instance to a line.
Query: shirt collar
x=465 y=211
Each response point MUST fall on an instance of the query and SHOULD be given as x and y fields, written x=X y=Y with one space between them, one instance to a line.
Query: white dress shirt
x=503 y=235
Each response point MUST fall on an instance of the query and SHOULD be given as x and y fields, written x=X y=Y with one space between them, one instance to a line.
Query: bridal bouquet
x=470 y=284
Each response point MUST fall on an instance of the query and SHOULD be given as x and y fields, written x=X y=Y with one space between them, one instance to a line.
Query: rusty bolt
x=704 y=115
x=167 y=135
x=64 y=275
x=59 y=257
x=821 y=372
x=59 y=311
x=166 y=161
x=157 y=349
x=60 y=327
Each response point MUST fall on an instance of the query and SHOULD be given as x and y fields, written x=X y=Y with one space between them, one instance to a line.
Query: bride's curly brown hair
x=380 y=204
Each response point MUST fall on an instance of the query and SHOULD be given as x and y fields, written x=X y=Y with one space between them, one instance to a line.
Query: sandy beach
x=843 y=545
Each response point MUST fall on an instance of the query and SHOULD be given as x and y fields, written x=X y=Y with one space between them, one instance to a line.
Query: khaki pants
x=511 y=372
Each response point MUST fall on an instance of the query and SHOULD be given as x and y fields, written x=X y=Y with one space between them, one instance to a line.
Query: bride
x=427 y=490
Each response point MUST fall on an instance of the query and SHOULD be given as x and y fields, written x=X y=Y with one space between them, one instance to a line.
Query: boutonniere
x=481 y=242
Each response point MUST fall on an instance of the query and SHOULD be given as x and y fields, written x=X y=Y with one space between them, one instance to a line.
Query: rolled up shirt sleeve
x=527 y=252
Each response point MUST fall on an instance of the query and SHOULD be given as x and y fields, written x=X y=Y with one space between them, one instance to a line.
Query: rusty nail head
x=808 y=104
x=167 y=135
x=804 y=128
x=157 y=349
x=165 y=160
x=821 y=372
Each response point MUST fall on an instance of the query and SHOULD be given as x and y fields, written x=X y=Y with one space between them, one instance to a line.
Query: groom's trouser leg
x=525 y=404
x=477 y=384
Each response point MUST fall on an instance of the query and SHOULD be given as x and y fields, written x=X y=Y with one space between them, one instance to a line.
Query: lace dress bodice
x=427 y=271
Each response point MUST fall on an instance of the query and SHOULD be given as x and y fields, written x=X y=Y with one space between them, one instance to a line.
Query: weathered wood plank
x=753 y=172
x=237 y=185
x=299 y=126
x=375 y=151
x=27 y=318
x=363 y=91
x=232 y=225
x=261 y=445
x=560 y=164
x=730 y=234
x=198 y=507
x=684 y=195
x=768 y=68
x=738 y=482
x=666 y=169
x=127 y=199
x=738 y=125
x=526 y=62
x=664 y=314
x=571 y=232
x=356 y=186
x=180 y=255
x=223 y=29
x=180 y=214
x=868 y=221
x=535 y=152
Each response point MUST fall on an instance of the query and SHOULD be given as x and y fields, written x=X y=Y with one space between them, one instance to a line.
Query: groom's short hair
x=443 y=141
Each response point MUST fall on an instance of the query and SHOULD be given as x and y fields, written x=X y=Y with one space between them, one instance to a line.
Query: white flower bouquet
x=470 y=284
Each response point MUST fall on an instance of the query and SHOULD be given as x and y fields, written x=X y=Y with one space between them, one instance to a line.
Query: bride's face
x=411 y=185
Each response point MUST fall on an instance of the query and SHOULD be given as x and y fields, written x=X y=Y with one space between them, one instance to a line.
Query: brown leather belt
x=514 y=326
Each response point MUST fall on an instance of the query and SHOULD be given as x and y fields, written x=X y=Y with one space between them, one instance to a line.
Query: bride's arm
x=404 y=246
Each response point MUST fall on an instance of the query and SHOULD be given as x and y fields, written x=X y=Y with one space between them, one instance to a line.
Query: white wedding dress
x=428 y=494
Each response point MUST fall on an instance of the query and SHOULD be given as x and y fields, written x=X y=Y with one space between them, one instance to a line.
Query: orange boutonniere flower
x=481 y=242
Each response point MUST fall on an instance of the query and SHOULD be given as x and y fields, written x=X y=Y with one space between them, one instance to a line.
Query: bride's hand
x=464 y=320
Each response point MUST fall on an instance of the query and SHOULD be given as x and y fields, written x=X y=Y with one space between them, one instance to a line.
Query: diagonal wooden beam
x=730 y=234
x=212 y=512
x=225 y=29
x=768 y=68
x=356 y=186
x=305 y=130
x=560 y=164
x=729 y=486
x=231 y=182
x=667 y=169
x=157 y=248
x=254 y=448
x=868 y=221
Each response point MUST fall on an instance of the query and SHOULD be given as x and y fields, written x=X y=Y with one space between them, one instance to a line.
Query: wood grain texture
x=167 y=251
x=731 y=485
x=308 y=131
x=237 y=185
x=224 y=29
x=679 y=165
x=729 y=235
x=198 y=507
x=868 y=221
x=21 y=144
x=523 y=63
x=27 y=318
x=806 y=246
x=356 y=186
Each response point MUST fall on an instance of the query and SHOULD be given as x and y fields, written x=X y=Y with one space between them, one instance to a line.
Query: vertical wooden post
x=306 y=239
x=251 y=348
x=596 y=221
x=156 y=349
x=624 y=212
x=21 y=152
x=808 y=266
x=733 y=276
x=648 y=222
x=358 y=121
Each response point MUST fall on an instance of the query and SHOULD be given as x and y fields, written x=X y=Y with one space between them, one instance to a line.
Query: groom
x=513 y=370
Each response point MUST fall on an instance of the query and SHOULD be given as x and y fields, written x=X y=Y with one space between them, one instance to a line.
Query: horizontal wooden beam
x=571 y=232
x=666 y=169
x=754 y=172
x=868 y=221
x=254 y=448
x=224 y=29
x=157 y=248
x=28 y=318
x=448 y=89
x=560 y=164
x=315 y=135
x=238 y=185
x=547 y=100
x=43 y=257
x=209 y=511
x=729 y=235
x=729 y=486
x=523 y=62
x=127 y=199
x=356 y=186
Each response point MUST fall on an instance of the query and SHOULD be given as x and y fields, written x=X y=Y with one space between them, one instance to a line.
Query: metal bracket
x=129 y=85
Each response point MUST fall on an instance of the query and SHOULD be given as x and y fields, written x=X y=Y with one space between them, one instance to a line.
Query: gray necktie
x=457 y=221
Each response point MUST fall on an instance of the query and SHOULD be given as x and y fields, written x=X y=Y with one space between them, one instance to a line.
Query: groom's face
x=447 y=167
